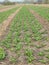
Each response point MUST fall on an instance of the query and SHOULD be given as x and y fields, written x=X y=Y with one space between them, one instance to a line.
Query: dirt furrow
x=43 y=21
x=6 y=23
x=6 y=8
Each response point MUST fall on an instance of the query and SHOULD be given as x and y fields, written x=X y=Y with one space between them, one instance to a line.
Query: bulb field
x=26 y=39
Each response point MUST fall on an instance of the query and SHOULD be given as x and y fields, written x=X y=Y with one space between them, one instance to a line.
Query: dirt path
x=43 y=5
x=6 y=23
x=3 y=7
x=6 y=8
x=43 y=21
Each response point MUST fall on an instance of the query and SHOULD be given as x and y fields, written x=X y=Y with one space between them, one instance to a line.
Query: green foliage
x=47 y=56
x=42 y=61
x=40 y=9
x=41 y=45
x=2 y=53
x=8 y=3
x=29 y=55
x=25 y=29
x=37 y=37
x=4 y=15
x=28 y=52
x=13 y=60
x=18 y=46
x=41 y=54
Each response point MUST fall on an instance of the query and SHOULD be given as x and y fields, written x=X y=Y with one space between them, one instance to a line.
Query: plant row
x=43 y=11
x=23 y=32
x=4 y=15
